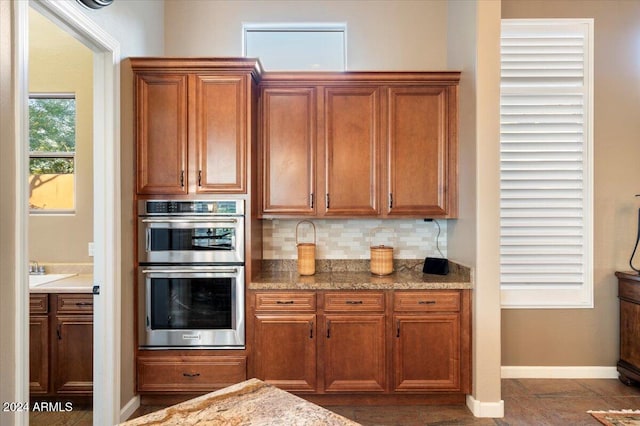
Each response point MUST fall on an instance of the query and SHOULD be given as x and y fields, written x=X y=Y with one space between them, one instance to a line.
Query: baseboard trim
x=485 y=409
x=553 y=372
x=129 y=408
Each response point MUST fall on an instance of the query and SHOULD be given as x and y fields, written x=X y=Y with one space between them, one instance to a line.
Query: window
x=296 y=47
x=546 y=163
x=52 y=146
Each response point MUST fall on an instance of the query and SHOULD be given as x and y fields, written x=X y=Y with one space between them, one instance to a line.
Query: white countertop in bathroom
x=74 y=283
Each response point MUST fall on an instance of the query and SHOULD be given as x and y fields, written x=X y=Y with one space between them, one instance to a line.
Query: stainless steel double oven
x=191 y=274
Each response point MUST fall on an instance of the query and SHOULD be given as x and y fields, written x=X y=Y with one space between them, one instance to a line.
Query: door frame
x=106 y=172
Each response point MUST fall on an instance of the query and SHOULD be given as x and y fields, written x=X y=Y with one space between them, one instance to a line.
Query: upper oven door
x=184 y=239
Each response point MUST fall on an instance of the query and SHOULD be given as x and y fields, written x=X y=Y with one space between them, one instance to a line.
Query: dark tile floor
x=534 y=402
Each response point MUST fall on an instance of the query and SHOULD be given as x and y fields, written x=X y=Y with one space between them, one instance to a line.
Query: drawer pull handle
x=353 y=302
x=191 y=374
x=398 y=328
x=285 y=302
x=84 y=303
x=329 y=329
x=426 y=302
x=310 y=329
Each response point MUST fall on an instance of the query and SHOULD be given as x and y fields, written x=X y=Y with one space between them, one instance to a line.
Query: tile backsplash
x=352 y=238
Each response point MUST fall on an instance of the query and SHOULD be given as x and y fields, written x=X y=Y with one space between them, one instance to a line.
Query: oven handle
x=181 y=271
x=190 y=220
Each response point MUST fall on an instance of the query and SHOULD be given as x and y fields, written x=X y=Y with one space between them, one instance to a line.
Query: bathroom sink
x=36 y=280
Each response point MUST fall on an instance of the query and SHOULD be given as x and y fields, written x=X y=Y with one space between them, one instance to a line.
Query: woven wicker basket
x=381 y=260
x=381 y=256
x=306 y=252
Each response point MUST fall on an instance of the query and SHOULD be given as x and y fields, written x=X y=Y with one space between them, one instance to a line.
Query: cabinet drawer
x=629 y=290
x=355 y=301
x=189 y=373
x=290 y=302
x=75 y=303
x=38 y=303
x=427 y=301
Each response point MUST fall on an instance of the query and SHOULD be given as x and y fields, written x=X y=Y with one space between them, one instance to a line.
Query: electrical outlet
x=91 y=249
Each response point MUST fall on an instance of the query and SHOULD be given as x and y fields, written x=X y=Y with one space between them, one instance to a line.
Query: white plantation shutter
x=546 y=163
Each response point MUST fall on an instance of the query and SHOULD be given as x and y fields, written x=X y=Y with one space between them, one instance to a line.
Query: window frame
x=559 y=295
x=56 y=154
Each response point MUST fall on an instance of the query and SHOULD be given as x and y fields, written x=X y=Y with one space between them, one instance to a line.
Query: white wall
x=381 y=35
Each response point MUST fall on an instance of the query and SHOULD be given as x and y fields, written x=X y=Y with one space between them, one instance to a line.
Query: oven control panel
x=191 y=207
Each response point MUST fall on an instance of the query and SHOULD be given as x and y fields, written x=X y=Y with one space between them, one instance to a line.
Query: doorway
x=106 y=205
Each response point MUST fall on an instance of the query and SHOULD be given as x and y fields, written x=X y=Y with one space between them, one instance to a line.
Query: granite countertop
x=72 y=283
x=405 y=277
x=251 y=402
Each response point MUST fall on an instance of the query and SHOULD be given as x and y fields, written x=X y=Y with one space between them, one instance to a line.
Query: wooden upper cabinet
x=421 y=151
x=288 y=150
x=194 y=124
x=351 y=146
x=360 y=144
x=161 y=115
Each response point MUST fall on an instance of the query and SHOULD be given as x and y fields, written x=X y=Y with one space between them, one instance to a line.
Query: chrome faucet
x=36 y=269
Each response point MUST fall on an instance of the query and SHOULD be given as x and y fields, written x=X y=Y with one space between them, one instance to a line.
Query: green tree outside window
x=52 y=145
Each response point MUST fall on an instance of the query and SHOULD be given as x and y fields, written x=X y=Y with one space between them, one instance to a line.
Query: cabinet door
x=354 y=353
x=288 y=151
x=427 y=352
x=38 y=354
x=221 y=133
x=351 y=150
x=421 y=152
x=161 y=133
x=285 y=351
x=74 y=355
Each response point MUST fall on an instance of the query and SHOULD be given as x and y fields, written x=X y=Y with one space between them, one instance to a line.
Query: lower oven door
x=191 y=307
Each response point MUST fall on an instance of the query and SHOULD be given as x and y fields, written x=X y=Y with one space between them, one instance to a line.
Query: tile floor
x=528 y=402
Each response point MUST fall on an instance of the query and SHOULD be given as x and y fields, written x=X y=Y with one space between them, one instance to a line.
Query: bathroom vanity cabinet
x=61 y=344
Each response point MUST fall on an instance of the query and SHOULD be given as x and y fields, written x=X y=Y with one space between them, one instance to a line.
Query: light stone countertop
x=251 y=402
x=79 y=283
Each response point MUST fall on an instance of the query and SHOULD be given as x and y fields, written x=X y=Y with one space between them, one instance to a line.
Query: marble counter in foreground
x=404 y=278
x=251 y=402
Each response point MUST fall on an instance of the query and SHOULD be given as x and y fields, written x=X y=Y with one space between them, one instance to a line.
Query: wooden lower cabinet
x=285 y=340
x=74 y=355
x=366 y=342
x=427 y=352
x=38 y=354
x=354 y=353
x=61 y=345
x=285 y=350
x=188 y=373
